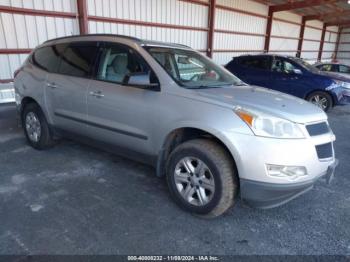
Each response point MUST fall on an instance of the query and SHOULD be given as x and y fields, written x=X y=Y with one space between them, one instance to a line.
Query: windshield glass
x=305 y=64
x=192 y=70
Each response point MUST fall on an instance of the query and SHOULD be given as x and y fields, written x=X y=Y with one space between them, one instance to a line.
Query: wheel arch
x=25 y=101
x=183 y=134
x=324 y=91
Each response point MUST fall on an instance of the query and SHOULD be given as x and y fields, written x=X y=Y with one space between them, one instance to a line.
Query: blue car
x=293 y=76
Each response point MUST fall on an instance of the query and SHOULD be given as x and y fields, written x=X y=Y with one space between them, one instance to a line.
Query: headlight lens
x=343 y=84
x=269 y=126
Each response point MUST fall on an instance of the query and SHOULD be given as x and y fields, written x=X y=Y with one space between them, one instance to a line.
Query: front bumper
x=342 y=95
x=252 y=154
x=268 y=195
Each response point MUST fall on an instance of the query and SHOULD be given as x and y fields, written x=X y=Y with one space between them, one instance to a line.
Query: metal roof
x=331 y=12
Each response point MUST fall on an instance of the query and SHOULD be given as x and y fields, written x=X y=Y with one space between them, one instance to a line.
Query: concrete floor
x=74 y=199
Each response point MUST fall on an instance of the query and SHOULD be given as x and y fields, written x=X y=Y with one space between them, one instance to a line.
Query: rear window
x=326 y=67
x=46 y=58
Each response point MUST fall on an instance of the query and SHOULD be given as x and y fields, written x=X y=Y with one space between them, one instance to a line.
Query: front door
x=119 y=113
x=287 y=77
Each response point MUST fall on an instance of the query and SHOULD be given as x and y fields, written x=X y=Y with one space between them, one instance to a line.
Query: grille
x=318 y=129
x=324 y=151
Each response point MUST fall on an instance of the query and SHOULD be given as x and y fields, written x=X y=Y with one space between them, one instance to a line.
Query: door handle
x=52 y=85
x=97 y=94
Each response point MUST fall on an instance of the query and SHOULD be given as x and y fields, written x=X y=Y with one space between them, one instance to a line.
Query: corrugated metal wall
x=240 y=27
x=344 y=47
x=153 y=12
x=18 y=31
x=285 y=33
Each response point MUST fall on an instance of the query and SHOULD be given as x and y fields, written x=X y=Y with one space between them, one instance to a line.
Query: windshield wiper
x=241 y=84
x=202 y=87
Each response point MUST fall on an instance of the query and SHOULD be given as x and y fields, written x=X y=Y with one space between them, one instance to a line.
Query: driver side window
x=117 y=62
x=282 y=66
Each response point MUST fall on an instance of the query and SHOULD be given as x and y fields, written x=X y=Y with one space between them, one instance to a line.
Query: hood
x=336 y=76
x=264 y=100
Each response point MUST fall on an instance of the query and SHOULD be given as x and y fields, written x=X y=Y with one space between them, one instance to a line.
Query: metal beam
x=299 y=4
x=337 y=43
x=319 y=57
x=339 y=23
x=211 y=25
x=83 y=17
x=327 y=15
x=33 y=12
x=268 y=30
x=301 y=36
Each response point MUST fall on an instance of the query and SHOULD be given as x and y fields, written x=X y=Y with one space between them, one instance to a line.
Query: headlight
x=269 y=126
x=343 y=84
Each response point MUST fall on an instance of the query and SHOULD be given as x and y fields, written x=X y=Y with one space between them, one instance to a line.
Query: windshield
x=305 y=64
x=192 y=70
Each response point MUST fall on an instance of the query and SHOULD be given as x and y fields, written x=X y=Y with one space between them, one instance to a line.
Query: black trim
x=318 y=129
x=324 y=151
x=102 y=126
x=147 y=159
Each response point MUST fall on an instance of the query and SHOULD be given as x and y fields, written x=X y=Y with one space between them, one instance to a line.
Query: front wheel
x=321 y=99
x=202 y=177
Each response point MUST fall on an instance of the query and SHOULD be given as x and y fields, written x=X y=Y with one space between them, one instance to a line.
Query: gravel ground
x=74 y=199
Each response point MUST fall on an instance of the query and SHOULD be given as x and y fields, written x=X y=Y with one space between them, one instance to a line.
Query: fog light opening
x=291 y=172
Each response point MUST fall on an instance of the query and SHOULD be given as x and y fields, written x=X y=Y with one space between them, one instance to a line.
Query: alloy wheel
x=194 y=181
x=33 y=127
x=320 y=101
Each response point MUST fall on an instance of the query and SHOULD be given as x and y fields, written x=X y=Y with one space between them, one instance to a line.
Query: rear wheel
x=321 y=99
x=36 y=127
x=202 y=178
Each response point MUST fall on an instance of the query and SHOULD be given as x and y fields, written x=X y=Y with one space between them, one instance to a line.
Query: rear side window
x=326 y=67
x=344 y=69
x=46 y=58
x=77 y=59
x=256 y=62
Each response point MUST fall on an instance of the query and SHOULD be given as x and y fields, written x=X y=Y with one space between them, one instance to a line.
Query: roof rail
x=88 y=35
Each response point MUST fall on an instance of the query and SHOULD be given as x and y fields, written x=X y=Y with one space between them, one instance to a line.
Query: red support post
x=337 y=43
x=211 y=25
x=320 y=51
x=301 y=36
x=83 y=17
x=268 y=30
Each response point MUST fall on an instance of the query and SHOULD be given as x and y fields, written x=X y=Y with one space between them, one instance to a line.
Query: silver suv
x=209 y=133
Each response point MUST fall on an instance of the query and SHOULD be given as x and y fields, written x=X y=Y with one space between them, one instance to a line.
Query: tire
x=219 y=185
x=317 y=97
x=34 y=122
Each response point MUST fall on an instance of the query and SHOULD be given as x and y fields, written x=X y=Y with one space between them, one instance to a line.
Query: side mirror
x=141 y=80
x=297 y=71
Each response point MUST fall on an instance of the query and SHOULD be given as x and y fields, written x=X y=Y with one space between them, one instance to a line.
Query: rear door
x=255 y=70
x=67 y=88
